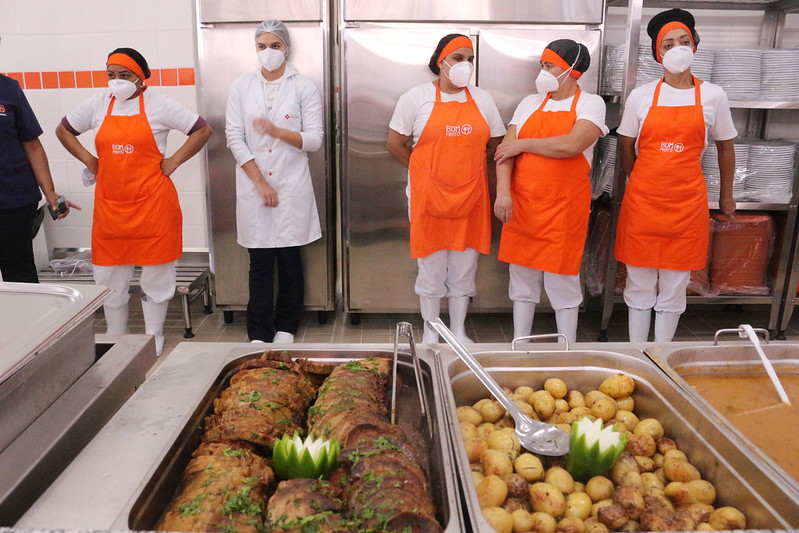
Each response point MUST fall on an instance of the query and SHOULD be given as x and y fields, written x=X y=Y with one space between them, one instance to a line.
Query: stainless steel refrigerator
x=384 y=50
x=226 y=50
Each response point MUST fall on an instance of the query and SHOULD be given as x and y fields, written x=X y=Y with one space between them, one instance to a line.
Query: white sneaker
x=283 y=337
x=257 y=341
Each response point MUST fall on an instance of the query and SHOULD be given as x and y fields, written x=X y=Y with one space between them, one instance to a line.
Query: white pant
x=447 y=273
x=157 y=281
x=663 y=290
x=564 y=291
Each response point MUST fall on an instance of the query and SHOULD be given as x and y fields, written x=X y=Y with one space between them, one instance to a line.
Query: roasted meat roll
x=263 y=402
x=301 y=505
x=224 y=488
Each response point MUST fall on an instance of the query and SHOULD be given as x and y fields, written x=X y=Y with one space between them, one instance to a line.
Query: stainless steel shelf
x=753 y=206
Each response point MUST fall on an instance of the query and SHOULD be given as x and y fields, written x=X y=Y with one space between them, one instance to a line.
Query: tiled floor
x=699 y=322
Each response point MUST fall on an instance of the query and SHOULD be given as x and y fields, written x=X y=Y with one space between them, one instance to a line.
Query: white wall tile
x=33 y=16
x=145 y=42
x=195 y=237
x=11 y=54
x=176 y=48
x=108 y=15
x=38 y=52
x=74 y=51
x=46 y=105
x=70 y=17
x=58 y=169
x=8 y=22
x=175 y=15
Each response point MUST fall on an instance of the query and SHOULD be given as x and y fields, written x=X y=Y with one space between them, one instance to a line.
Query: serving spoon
x=534 y=436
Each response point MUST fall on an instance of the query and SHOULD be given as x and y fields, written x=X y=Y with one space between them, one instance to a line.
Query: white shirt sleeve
x=405 y=113
x=591 y=107
x=173 y=115
x=234 y=121
x=489 y=110
x=82 y=118
x=632 y=117
x=311 y=116
x=723 y=127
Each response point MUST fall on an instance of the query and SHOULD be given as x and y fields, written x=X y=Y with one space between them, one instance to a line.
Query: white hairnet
x=276 y=27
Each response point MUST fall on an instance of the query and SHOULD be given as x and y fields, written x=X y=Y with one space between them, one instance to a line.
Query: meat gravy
x=751 y=404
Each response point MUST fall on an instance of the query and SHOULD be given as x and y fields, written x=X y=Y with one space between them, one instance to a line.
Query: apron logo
x=120 y=149
x=679 y=147
x=456 y=131
x=671 y=147
x=2 y=108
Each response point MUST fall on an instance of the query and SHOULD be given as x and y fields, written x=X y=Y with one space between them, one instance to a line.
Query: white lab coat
x=298 y=107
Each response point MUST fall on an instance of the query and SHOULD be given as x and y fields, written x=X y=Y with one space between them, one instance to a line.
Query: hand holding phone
x=61 y=208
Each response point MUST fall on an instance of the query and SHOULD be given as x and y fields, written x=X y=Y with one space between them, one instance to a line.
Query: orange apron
x=137 y=217
x=664 y=219
x=551 y=200
x=450 y=206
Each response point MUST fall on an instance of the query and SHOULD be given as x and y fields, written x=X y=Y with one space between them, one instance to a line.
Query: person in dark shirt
x=24 y=170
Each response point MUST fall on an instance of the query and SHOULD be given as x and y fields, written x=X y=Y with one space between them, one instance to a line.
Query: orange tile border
x=49 y=80
x=66 y=79
x=186 y=76
x=169 y=76
x=83 y=79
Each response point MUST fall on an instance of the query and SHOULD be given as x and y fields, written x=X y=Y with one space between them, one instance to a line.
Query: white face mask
x=459 y=73
x=271 y=59
x=122 y=89
x=546 y=82
x=678 y=59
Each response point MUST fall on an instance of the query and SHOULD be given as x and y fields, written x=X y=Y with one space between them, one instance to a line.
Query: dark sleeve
x=28 y=127
x=201 y=122
x=68 y=126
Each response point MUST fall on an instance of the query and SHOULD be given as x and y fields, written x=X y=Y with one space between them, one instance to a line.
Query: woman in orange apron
x=544 y=188
x=663 y=226
x=452 y=125
x=137 y=218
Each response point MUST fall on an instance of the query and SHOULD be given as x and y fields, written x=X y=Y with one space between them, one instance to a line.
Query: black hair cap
x=568 y=51
x=433 y=65
x=663 y=18
x=135 y=56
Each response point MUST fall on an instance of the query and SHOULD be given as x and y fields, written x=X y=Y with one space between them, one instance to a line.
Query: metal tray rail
x=679 y=359
x=740 y=480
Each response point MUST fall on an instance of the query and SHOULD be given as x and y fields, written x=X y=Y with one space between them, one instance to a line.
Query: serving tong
x=405 y=329
x=535 y=436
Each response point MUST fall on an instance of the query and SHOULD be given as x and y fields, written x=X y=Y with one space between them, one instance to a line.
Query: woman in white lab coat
x=274 y=116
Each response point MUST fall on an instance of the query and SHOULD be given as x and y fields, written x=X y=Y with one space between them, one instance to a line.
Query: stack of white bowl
x=738 y=73
x=771 y=171
x=780 y=75
x=710 y=168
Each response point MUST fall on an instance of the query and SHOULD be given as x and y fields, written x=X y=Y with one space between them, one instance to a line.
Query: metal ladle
x=535 y=436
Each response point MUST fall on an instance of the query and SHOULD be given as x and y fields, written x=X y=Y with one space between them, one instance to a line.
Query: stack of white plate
x=648 y=68
x=738 y=73
x=771 y=171
x=702 y=66
x=613 y=70
x=780 y=79
x=710 y=168
x=603 y=175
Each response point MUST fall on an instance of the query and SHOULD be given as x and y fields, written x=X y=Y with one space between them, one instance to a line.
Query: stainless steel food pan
x=47 y=334
x=680 y=359
x=741 y=480
x=148 y=443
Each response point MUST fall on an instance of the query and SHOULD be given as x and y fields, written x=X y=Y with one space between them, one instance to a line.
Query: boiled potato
x=517 y=486
x=632 y=479
x=560 y=478
x=492 y=491
x=570 y=524
x=477 y=478
x=674 y=454
x=503 y=439
x=498 y=518
x=641 y=444
x=469 y=414
x=556 y=387
x=651 y=481
x=475 y=448
x=547 y=498
x=727 y=518
x=566 y=418
x=680 y=470
x=618 y=386
x=599 y=505
x=627 y=403
x=485 y=429
x=522 y=521
x=649 y=426
x=529 y=467
x=631 y=500
x=579 y=487
x=578 y=504
x=575 y=398
x=512 y=504
x=580 y=411
x=524 y=391
x=702 y=491
x=625 y=463
x=592 y=397
x=468 y=430
x=613 y=516
x=678 y=493
x=604 y=408
x=699 y=512
x=496 y=462
x=645 y=464
x=525 y=408
x=665 y=444
x=561 y=406
x=599 y=488
x=592 y=525
x=491 y=411
x=543 y=403
x=543 y=522
x=704 y=526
